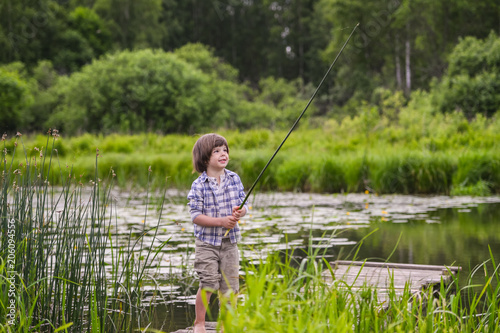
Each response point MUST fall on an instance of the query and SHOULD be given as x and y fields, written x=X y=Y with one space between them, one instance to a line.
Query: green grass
x=302 y=165
x=279 y=296
x=418 y=153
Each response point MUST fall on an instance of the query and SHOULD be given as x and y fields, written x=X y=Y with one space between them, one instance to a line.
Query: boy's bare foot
x=199 y=328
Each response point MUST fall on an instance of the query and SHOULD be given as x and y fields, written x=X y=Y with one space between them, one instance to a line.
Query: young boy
x=214 y=201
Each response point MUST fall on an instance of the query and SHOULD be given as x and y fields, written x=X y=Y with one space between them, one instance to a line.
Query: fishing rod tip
x=357 y=25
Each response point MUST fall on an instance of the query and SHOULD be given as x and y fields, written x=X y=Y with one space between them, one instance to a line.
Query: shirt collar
x=205 y=178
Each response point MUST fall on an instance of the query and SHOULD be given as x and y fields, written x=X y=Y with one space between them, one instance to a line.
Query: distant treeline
x=187 y=66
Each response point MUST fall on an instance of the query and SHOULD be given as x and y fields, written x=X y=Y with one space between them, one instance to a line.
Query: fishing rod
x=296 y=122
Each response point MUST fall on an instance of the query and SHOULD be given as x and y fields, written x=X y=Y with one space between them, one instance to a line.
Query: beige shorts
x=217 y=266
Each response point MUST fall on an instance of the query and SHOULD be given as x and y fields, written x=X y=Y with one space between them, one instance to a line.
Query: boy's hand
x=238 y=213
x=229 y=222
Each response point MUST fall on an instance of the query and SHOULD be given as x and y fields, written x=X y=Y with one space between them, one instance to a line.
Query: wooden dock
x=383 y=276
x=210 y=326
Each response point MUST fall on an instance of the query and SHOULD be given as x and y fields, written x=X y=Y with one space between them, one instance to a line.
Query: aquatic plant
x=60 y=269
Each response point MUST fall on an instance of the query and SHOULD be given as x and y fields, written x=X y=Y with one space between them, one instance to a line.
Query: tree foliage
x=400 y=45
x=137 y=91
x=133 y=23
x=16 y=95
x=472 y=83
x=167 y=92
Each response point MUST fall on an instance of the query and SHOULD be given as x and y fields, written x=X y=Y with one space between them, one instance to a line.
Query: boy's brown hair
x=202 y=150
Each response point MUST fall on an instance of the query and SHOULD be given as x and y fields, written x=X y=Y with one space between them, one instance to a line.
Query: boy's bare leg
x=201 y=311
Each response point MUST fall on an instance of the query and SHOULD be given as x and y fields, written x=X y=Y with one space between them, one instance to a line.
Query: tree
x=31 y=31
x=133 y=23
x=15 y=97
x=361 y=67
x=92 y=28
x=472 y=83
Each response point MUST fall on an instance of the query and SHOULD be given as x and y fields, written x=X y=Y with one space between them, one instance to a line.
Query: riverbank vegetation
x=440 y=140
x=423 y=152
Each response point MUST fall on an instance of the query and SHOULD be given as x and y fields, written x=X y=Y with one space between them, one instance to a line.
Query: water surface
x=438 y=230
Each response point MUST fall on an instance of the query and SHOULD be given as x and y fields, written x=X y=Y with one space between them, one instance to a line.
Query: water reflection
x=457 y=236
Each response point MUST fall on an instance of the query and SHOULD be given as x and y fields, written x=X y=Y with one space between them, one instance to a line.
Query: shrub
x=139 y=91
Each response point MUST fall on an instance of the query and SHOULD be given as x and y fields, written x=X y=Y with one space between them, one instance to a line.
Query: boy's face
x=219 y=158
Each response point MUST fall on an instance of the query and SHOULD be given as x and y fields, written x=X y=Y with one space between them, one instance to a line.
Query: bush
x=470 y=94
x=202 y=57
x=139 y=91
x=285 y=98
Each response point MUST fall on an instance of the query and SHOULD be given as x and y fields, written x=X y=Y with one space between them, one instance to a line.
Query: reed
x=412 y=172
x=479 y=168
x=60 y=267
x=330 y=176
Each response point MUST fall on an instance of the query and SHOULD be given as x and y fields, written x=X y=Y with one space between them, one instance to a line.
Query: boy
x=214 y=201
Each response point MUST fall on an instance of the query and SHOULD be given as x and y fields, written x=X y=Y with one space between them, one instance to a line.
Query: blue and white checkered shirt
x=207 y=199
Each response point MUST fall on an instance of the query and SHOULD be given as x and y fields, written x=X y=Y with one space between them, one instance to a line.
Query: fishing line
x=296 y=121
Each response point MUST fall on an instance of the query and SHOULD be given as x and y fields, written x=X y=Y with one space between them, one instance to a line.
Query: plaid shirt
x=205 y=198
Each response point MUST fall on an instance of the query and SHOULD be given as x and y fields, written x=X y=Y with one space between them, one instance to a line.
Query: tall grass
x=59 y=265
x=414 y=172
x=416 y=154
x=282 y=297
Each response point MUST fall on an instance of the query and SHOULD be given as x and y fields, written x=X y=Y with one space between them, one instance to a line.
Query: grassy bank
x=452 y=156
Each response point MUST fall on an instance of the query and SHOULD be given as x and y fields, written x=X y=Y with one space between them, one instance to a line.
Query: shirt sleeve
x=195 y=200
x=241 y=192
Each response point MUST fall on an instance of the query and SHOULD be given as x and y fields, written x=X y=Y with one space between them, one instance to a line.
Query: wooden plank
x=210 y=326
x=427 y=271
x=371 y=274
x=389 y=276
x=394 y=265
x=386 y=272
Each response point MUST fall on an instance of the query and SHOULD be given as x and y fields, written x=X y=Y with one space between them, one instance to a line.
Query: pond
x=437 y=230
